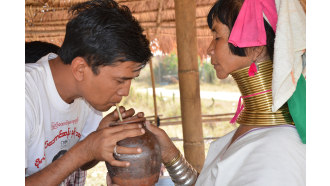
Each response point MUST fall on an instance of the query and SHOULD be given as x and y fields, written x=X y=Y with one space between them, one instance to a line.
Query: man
x=103 y=50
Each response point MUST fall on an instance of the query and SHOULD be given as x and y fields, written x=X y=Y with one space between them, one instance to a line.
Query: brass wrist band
x=175 y=159
x=181 y=172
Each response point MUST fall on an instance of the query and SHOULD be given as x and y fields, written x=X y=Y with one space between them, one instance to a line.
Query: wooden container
x=145 y=167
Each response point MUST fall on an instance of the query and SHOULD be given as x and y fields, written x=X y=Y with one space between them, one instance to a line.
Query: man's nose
x=124 y=90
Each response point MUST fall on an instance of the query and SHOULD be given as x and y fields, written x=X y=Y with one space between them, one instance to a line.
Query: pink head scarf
x=249 y=27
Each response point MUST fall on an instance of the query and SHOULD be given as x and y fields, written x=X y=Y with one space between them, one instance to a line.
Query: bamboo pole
x=193 y=143
x=160 y=5
x=152 y=82
x=215 y=121
x=153 y=90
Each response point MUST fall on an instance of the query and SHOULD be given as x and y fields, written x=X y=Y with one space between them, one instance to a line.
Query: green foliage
x=207 y=73
x=169 y=64
x=166 y=71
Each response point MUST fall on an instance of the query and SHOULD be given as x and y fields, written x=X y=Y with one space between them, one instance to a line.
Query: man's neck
x=64 y=80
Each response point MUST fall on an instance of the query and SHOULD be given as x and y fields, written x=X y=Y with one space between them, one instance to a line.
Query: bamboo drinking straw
x=120 y=118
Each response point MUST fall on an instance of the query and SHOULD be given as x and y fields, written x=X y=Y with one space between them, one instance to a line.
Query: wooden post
x=193 y=143
x=153 y=89
x=154 y=96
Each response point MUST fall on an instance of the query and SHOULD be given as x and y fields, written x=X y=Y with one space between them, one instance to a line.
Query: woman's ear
x=257 y=53
x=78 y=68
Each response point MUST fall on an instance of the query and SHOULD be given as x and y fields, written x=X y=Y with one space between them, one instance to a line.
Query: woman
x=265 y=149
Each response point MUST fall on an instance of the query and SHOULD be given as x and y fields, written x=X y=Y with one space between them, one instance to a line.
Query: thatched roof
x=45 y=20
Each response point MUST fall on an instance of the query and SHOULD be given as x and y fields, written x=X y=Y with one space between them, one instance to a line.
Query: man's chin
x=102 y=108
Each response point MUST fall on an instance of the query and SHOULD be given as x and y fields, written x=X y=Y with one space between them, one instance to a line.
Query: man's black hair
x=37 y=49
x=227 y=11
x=102 y=32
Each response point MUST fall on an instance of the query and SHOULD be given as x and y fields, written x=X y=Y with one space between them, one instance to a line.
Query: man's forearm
x=89 y=165
x=60 y=169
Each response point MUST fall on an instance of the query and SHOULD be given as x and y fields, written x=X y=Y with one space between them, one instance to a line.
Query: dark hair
x=227 y=11
x=102 y=32
x=37 y=49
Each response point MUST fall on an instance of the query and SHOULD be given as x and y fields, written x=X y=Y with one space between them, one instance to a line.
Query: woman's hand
x=168 y=149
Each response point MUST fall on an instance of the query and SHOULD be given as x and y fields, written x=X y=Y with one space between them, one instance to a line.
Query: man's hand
x=110 y=119
x=113 y=117
x=100 y=145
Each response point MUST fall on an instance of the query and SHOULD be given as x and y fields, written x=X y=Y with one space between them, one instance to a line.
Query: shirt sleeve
x=93 y=120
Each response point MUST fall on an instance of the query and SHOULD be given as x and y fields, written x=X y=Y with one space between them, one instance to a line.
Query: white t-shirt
x=271 y=156
x=52 y=126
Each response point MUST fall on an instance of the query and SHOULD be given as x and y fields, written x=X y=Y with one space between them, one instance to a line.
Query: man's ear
x=78 y=68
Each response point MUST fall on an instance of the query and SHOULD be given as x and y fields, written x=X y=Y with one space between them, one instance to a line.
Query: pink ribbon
x=240 y=106
x=249 y=29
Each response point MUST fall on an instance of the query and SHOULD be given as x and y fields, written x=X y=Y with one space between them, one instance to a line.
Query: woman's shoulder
x=280 y=134
x=271 y=147
x=274 y=141
x=275 y=154
x=222 y=141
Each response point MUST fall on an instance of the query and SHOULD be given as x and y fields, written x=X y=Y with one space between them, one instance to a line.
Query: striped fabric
x=77 y=178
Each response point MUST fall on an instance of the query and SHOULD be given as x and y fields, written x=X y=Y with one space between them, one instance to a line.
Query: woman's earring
x=253 y=69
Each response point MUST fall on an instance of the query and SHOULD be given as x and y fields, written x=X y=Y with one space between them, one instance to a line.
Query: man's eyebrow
x=128 y=78
x=138 y=69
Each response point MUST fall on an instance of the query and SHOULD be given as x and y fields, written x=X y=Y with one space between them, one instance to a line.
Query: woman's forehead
x=219 y=27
